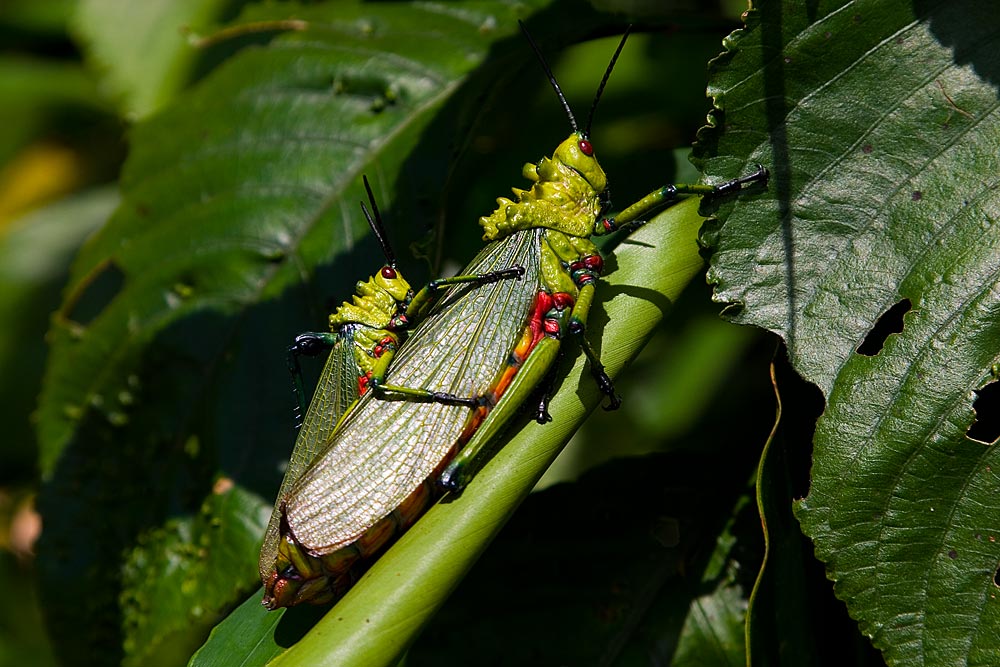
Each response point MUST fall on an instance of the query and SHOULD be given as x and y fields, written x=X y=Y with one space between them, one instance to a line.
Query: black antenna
x=552 y=79
x=376 y=224
x=604 y=81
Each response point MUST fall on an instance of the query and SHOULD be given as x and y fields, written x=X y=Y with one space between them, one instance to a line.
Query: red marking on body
x=414 y=505
x=542 y=305
x=553 y=321
x=472 y=425
x=363 y=382
x=514 y=363
x=375 y=537
x=340 y=562
x=387 y=343
x=594 y=262
x=563 y=300
x=586 y=269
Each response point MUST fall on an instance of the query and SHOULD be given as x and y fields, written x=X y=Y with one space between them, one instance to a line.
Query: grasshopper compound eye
x=388 y=273
x=586 y=147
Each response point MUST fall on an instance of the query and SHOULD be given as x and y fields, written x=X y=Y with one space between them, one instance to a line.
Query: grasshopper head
x=577 y=153
x=376 y=302
x=567 y=194
x=392 y=282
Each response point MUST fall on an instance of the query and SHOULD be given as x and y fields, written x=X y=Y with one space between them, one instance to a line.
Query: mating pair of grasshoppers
x=392 y=425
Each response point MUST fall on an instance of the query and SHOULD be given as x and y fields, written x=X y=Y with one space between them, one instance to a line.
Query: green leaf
x=25 y=640
x=181 y=565
x=879 y=122
x=33 y=90
x=713 y=632
x=35 y=252
x=142 y=48
x=37 y=18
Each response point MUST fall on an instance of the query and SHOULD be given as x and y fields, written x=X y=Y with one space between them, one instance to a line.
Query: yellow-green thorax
x=565 y=195
x=376 y=302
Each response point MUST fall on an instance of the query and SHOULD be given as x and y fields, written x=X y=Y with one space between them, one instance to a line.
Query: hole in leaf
x=996 y=577
x=891 y=322
x=377 y=90
x=94 y=293
x=986 y=428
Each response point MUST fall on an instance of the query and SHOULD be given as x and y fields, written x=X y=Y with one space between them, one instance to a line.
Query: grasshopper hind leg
x=601 y=377
x=545 y=392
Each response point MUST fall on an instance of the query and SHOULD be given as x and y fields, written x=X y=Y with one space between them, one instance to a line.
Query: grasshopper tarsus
x=515 y=272
x=546 y=390
x=452 y=399
x=542 y=415
x=601 y=377
x=451 y=479
x=614 y=402
x=634 y=225
x=310 y=344
x=607 y=387
x=759 y=175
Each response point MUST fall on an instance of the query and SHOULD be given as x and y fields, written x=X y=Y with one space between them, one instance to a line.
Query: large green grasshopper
x=388 y=460
x=363 y=338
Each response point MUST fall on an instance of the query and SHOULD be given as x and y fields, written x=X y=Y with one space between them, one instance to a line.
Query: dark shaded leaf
x=880 y=121
x=143 y=49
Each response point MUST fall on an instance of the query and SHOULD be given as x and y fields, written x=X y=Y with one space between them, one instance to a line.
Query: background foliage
x=155 y=448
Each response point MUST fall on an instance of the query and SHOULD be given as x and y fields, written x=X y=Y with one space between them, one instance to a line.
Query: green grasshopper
x=387 y=461
x=363 y=338
x=383 y=308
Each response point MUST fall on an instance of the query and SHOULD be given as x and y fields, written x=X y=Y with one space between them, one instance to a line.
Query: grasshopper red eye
x=586 y=148
x=388 y=273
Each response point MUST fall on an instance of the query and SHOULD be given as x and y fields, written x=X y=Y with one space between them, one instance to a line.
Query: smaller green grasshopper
x=382 y=309
x=364 y=335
